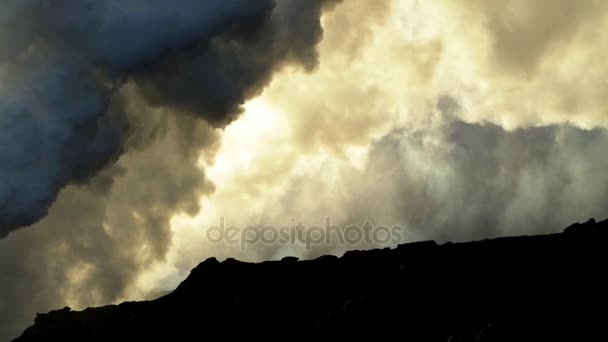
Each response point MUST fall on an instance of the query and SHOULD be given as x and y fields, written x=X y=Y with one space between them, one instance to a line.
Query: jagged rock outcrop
x=529 y=288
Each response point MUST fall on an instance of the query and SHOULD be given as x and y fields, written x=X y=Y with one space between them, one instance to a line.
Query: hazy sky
x=130 y=128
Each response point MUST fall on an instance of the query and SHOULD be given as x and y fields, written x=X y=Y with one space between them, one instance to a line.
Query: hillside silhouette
x=527 y=288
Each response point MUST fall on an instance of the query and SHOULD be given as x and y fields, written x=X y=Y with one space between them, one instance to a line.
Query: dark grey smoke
x=62 y=62
x=453 y=180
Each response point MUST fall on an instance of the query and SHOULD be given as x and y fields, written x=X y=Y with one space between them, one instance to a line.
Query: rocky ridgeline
x=539 y=288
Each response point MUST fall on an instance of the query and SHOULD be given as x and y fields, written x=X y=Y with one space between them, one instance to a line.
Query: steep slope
x=507 y=289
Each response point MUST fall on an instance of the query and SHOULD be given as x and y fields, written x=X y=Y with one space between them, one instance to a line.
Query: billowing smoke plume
x=62 y=62
x=106 y=110
x=518 y=149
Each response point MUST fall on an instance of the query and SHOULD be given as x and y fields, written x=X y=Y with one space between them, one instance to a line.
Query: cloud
x=518 y=63
x=63 y=63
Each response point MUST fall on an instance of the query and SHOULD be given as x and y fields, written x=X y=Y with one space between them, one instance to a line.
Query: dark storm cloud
x=62 y=62
x=229 y=70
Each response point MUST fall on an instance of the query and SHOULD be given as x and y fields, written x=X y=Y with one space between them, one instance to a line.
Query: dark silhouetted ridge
x=529 y=288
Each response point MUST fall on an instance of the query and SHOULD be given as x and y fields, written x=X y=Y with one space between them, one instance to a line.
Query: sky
x=130 y=129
